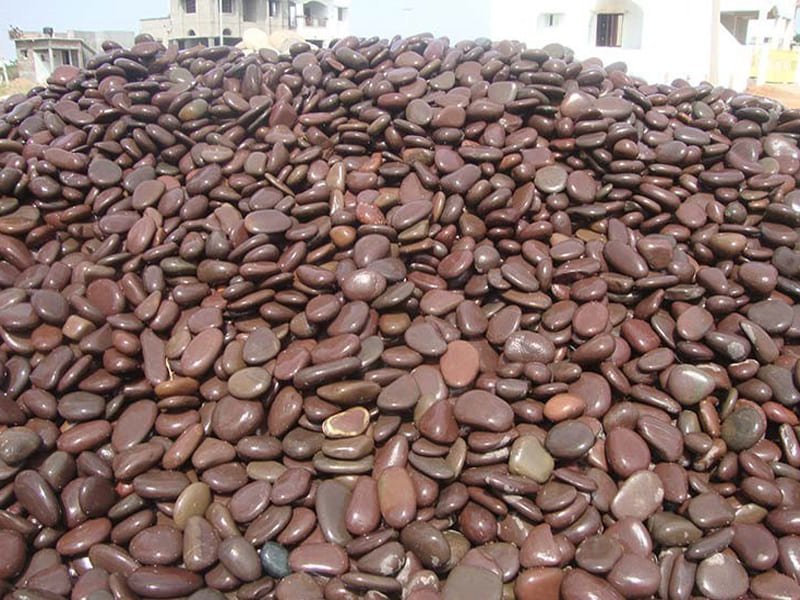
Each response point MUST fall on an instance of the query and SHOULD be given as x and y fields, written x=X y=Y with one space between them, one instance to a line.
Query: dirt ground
x=15 y=86
x=786 y=94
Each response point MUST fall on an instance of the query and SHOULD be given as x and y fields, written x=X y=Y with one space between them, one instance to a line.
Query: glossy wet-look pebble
x=400 y=318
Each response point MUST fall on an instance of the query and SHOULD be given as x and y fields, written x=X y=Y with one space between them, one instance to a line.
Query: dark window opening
x=190 y=6
x=341 y=13
x=226 y=31
x=273 y=8
x=249 y=10
x=609 y=29
x=65 y=58
x=191 y=33
x=227 y=6
x=292 y=16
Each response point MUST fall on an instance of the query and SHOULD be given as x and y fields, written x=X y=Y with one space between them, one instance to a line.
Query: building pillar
x=51 y=67
x=713 y=69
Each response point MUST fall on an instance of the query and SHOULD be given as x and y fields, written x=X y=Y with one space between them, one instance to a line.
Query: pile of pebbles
x=396 y=319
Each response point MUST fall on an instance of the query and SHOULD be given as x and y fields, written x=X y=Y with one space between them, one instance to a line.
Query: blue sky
x=32 y=15
x=461 y=19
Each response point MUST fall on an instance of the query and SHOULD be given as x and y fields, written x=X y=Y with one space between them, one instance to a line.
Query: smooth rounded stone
x=233 y=419
x=466 y=581
x=104 y=173
x=528 y=346
x=539 y=583
x=192 y=501
x=37 y=497
x=780 y=382
x=689 y=384
x=397 y=497
x=13 y=553
x=427 y=543
x=386 y=559
x=528 y=458
x=774 y=316
x=240 y=558
x=460 y=364
x=50 y=306
x=200 y=544
x=551 y=179
x=721 y=577
x=569 y=440
x=419 y=112
x=275 y=560
x=157 y=545
x=84 y=536
x=425 y=339
x=670 y=529
x=775 y=586
x=742 y=428
x=694 y=323
x=249 y=383
x=163 y=582
x=96 y=496
x=709 y=510
x=598 y=554
x=577 y=584
x=201 y=352
x=331 y=504
x=319 y=559
x=755 y=545
x=639 y=496
x=635 y=576
x=348 y=423
x=17 y=444
x=626 y=452
x=483 y=410
x=133 y=424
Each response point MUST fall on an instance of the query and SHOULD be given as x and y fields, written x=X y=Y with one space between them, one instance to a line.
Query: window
x=191 y=33
x=65 y=58
x=609 y=29
x=549 y=20
x=23 y=53
x=249 y=11
x=341 y=12
x=273 y=8
x=227 y=6
x=190 y=6
x=226 y=31
x=292 y=16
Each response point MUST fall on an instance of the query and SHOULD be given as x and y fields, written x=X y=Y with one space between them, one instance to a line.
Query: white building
x=660 y=40
x=193 y=22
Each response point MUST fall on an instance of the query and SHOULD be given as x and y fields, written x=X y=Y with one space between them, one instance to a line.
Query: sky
x=90 y=15
x=459 y=20
x=367 y=17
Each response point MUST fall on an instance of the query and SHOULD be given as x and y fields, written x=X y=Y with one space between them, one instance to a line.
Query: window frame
x=230 y=6
x=551 y=20
x=187 y=4
x=612 y=36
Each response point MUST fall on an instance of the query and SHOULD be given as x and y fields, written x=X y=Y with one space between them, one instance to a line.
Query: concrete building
x=696 y=40
x=38 y=54
x=660 y=40
x=203 y=21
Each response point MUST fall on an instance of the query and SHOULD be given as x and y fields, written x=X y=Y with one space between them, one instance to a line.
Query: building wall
x=205 y=22
x=38 y=57
x=649 y=32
